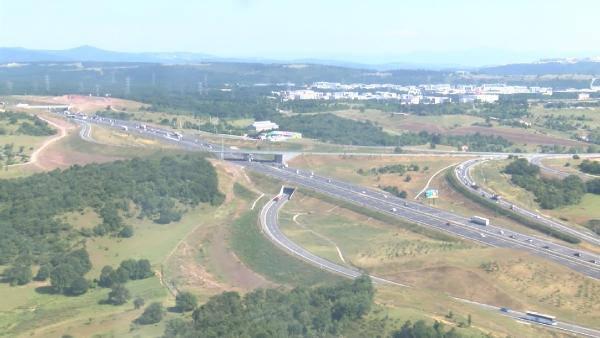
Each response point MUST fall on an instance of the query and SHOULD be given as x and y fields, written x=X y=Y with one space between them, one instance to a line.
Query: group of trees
x=590 y=167
x=118 y=115
x=30 y=207
x=550 y=193
x=27 y=124
x=322 y=311
x=399 y=169
x=129 y=269
x=332 y=128
x=420 y=329
x=313 y=106
x=505 y=108
x=394 y=191
x=66 y=272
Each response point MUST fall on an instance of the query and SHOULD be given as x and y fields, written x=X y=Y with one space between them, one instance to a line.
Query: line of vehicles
x=531 y=316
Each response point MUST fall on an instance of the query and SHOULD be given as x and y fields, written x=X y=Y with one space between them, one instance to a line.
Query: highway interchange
x=492 y=235
x=270 y=226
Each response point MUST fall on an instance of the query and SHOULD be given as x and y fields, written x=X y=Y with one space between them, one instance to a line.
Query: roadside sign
x=431 y=193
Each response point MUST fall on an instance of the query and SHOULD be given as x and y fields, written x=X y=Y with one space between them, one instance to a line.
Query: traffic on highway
x=492 y=235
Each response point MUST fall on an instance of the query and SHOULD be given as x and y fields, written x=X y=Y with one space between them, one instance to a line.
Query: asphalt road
x=463 y=173
x=270 y=227
x=415 y=212
x=496 y=236
x=538 y=160
x=430 y=217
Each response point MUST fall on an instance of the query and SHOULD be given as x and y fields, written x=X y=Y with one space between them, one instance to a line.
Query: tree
x=185 y=301
x=138 y=302
x=118 y=295
x=18 y=274
x=152 y=314
x=106 y=277
x=126 y=232
x=62 y=276
x=79 y=286
x=43 y=273
x=144 y=269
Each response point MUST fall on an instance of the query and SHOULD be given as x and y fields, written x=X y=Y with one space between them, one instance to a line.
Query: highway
x=270 y=227
x=463 y=173
x=492 y=235
x=583 y=262
x=538 y=160
x=430 y=217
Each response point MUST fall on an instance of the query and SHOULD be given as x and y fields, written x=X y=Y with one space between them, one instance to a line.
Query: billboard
x=431 y=193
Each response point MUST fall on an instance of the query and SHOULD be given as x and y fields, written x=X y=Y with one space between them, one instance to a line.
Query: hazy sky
x=368 y=30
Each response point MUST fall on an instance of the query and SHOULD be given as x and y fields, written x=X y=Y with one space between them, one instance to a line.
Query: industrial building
x=279 y=135
x=260 y=126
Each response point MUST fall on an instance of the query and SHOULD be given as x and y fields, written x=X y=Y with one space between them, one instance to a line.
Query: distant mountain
x=89 y=53
x=589 y=66
x=445 y=61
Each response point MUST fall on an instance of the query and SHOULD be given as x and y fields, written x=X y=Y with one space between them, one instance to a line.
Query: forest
x=590 y=167
x=325 y=311
x=25 y=124
x=550 y=193
x=332 y=128
x=31 y=208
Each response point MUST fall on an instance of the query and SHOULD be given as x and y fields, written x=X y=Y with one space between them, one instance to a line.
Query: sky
x=373 y=31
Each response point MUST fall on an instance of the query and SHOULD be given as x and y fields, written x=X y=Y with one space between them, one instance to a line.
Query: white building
x=259 y=126
x=583 y=96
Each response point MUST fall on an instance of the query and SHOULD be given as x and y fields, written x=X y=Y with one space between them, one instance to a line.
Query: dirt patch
x=229 y=265
x=458 y=282
x=516 y=136
x=422 y=126
x=57 y=156
x=83 y=103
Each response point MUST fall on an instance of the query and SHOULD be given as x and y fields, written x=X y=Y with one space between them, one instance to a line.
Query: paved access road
x=463 y=173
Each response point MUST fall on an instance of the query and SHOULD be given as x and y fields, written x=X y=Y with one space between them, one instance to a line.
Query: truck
x=480 y=220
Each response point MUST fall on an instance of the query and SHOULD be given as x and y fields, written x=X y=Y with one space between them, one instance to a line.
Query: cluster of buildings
x=419 y=94
x=267 y=130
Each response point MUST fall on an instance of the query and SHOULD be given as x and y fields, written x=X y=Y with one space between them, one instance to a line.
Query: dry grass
x=346 y=168
x=496 y=276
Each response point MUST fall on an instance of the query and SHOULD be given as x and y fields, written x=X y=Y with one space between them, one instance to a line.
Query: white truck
x=480 y=220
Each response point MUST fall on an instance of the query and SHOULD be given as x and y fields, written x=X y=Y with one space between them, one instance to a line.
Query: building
x=279 y=135
x=583 y=96
x=485 y=98
x=260 y=126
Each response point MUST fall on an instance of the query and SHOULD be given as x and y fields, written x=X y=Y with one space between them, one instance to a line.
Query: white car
x=394 y=209
x=482 y=235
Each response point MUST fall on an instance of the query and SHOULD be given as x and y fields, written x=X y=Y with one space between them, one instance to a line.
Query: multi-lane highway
x=584 y=262
x=493 y=235
x=463 y=173
x=270 y=226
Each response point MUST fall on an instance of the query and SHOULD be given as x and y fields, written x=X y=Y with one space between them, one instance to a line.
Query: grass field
x=496 y=276
x=397 y=124
x=524 y=139
x=347 y=167
x=489 y=174
x=174 y=251
x=568 y=165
